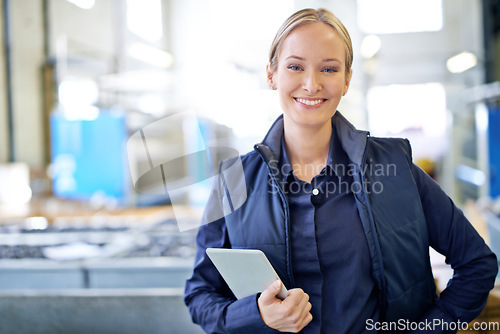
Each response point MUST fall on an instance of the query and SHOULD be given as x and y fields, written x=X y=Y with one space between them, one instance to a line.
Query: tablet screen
x=246 y=271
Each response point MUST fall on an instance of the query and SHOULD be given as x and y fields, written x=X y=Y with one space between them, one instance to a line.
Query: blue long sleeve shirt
x=331 y=258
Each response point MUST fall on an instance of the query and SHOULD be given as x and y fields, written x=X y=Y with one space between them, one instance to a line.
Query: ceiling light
x=370 y=46
x=461 y=62
x=150 y=55
x=399 y=16
x=84 y=4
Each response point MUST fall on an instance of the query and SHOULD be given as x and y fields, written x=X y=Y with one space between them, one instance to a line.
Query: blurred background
x=96 y=95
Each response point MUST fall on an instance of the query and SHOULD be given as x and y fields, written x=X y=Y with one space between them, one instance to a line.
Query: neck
x=307 y=147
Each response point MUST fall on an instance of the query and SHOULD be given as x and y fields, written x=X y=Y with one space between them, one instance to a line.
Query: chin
x=311 y=120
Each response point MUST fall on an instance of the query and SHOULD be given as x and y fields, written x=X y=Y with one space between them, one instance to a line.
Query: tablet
x=246 y=271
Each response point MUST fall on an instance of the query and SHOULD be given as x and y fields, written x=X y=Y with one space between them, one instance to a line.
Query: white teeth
x=309 y=102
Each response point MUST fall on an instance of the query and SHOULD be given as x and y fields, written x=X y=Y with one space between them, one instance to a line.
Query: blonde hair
x=308 y=16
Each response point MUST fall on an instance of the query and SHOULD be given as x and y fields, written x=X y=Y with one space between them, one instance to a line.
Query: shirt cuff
x=242 y=316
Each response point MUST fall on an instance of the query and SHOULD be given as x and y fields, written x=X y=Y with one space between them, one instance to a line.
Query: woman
x=345 y=219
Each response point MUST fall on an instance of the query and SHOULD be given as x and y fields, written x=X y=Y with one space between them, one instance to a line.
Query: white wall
x=421 y=57
x=84 y=41
x=90 y=32
x=26 y=59
x=4 y=139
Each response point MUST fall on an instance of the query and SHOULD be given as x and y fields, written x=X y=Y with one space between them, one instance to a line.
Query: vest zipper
x=287 y=216
x=383 y=300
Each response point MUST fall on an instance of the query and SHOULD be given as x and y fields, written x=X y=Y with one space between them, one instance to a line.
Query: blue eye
x=330 y=70
x=294 y=67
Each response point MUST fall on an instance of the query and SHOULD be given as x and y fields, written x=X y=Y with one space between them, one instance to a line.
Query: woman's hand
x=288 y=315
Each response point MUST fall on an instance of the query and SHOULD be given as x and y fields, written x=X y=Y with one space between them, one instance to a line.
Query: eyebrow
x=324 y=60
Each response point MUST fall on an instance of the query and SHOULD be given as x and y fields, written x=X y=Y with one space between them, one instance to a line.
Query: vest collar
x=353 y=141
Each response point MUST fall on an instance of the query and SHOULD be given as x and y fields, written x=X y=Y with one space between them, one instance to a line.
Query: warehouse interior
x=105 y=103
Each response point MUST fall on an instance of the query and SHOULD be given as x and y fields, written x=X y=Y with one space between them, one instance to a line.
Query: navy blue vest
x=389 y=207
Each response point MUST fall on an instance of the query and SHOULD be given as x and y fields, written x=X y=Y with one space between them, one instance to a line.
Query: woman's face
x=310 y=75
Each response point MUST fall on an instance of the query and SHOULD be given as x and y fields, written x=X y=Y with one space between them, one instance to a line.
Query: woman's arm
x=211 y=303
x=450 y=233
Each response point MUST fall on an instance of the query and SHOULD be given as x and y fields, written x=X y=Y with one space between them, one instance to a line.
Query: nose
x=311 y=82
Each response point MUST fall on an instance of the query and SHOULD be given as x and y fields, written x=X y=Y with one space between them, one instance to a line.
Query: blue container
x=89 y=156
x=494 y=150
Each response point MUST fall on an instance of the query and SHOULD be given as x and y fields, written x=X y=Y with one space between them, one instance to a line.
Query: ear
x=348 y=77
x=270 y=77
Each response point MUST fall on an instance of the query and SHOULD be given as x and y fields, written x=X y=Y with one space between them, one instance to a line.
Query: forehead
x=313 y=40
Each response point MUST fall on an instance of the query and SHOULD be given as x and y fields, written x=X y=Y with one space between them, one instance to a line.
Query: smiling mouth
x=309 y=102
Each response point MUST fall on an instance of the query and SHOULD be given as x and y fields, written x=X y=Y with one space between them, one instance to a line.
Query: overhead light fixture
x=78 y=92
x=150 y=55
x=144 y=18
x=84 y=4
x=77 y=96
x=470 y=175
x=399 y=16
x=370 y=46
x=461 y=62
